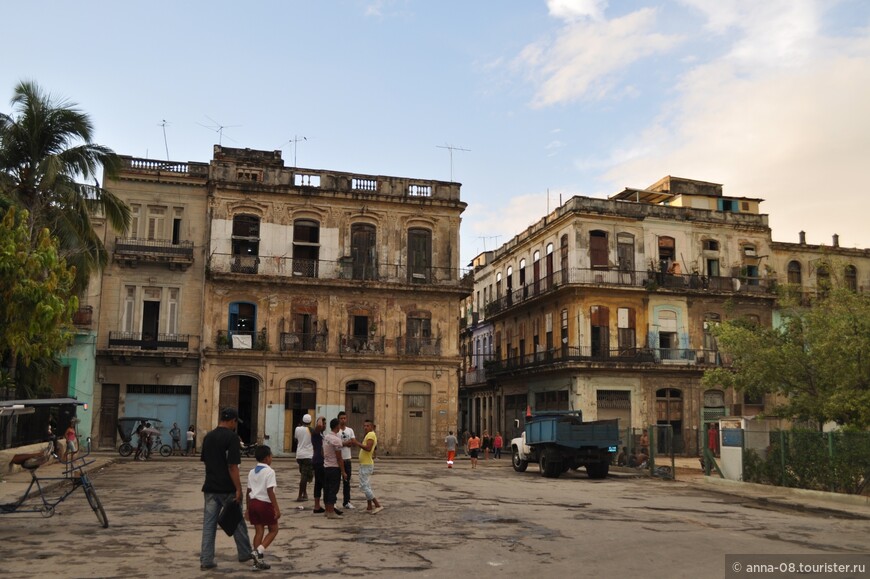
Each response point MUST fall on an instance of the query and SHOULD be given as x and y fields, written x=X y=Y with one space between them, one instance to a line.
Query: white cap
x=306 y=419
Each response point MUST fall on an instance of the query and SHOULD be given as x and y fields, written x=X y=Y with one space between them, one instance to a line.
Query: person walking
x=221 y=456
x=346 y=434
x=262 y=505
x=367 y=466
x=333 y=468
x=451 y=443
x=317 y=462
x=473 y=445
x=497 y=445
x=486 y=444
x=304 y=454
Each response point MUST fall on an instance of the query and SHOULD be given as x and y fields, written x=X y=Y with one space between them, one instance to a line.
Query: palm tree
x=46 y=159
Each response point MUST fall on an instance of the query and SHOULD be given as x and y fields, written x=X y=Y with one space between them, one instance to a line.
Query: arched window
x=823 y=278
x=794 y=272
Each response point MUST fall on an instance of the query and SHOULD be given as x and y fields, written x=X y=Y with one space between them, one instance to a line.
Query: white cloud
x=795 y=137
x=772 y=33
x=586 y=57
x=573 y=10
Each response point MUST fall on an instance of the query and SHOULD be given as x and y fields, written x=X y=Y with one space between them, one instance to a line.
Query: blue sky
x=552 y=98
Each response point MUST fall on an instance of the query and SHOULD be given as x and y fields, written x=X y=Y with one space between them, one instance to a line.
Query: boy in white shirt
x=262 y=506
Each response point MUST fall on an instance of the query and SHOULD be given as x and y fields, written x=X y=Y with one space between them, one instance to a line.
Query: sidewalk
x=839 y=504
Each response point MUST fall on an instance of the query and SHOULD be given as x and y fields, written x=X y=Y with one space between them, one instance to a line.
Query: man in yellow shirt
x=367 y=465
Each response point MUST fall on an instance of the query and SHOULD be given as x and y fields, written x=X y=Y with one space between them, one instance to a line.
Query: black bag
x=230 y=517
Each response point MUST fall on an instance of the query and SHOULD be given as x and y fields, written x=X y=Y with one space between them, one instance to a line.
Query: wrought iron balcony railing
x=145 y=341
x=362 y=344
x=418 y=346
x=671 y=356
x=242 y=340
x=134 y=249
x=650 y=280
x=342 y=269
x=83 y=316
x=302 y=342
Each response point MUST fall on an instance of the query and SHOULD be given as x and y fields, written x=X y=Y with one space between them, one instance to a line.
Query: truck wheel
x=520 y=465
x=597 y=470
x=551 y=466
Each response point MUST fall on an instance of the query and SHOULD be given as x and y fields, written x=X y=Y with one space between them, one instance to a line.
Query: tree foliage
x=817 y=358
x=46 y=149
x=37 y=296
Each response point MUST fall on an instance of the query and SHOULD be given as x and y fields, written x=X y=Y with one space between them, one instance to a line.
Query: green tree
x=37 y=295
x=46 y=158
x=818 y=359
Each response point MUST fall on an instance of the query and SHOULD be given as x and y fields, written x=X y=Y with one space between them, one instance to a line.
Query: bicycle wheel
x=126 y=449
x=165 y=450
x=95 y=503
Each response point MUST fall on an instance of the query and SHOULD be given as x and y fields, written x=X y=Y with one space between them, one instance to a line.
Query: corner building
x=605 y=305
x=323 y=291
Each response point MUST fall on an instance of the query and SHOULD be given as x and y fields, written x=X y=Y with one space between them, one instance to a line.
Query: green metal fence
x=826 y=461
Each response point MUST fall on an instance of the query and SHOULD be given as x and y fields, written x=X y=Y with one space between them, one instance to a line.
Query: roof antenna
x=296 y=139
x=451 y=148
x=219 y=129
x=165 y=142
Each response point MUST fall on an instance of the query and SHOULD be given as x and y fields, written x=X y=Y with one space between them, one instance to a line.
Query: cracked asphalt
x=488 y=522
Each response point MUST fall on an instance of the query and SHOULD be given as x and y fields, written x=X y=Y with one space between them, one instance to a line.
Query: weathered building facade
x=303 y=291
x=605 y=305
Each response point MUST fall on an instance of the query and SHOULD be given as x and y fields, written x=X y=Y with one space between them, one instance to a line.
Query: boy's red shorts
x=261 y=513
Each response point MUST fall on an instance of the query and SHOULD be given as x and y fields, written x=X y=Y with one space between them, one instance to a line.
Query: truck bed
x=571 y=432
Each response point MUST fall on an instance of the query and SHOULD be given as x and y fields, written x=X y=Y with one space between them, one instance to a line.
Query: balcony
x=302 y=342
x=619 y=356
x=242 y=340
x=140 y=341
x=411 y=346
x=283 y=269
x=362 y=344
x=647 y=280
x=474 y=377
x=83 y=317
x=131 y=251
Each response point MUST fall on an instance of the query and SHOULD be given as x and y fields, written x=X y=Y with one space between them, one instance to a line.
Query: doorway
x=415 y=421
x=359 y=403
x=242 y=393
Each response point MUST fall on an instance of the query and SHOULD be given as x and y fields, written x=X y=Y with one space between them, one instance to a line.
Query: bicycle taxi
x=127 y=426
x=73 y=476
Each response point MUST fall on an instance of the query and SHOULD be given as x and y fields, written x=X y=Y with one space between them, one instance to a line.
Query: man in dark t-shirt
x=221 y=454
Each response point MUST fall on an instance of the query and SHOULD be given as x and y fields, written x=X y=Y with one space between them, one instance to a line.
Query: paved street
x=491 y=522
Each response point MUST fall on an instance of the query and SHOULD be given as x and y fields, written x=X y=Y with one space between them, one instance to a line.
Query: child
x=262 y=506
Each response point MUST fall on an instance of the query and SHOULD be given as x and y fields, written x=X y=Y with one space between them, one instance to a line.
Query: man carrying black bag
x=221 y=455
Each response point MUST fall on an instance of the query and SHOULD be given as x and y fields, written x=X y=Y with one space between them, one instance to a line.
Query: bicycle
x=74 y=474
x=156 y=445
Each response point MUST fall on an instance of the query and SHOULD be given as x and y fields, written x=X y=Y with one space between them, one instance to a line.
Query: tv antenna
x=165 y=142
x=219 y=129
x=490 y=237
x=294 y=141
x=451 y=148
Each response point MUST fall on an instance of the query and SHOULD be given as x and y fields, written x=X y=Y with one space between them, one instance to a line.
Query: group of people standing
x=474 y=446
x=323 y=456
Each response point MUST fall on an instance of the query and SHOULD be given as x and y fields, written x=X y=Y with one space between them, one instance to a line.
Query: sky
x=540 y=100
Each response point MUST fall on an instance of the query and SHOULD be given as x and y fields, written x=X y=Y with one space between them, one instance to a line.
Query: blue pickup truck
x=558 y=441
